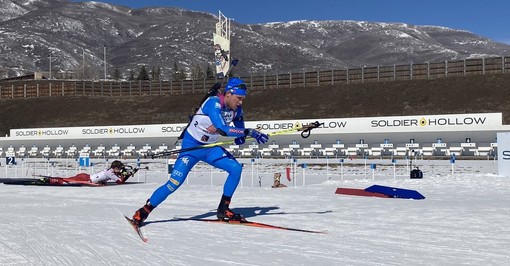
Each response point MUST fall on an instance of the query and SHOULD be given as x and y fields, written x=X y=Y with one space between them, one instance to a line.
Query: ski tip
x=137 y=229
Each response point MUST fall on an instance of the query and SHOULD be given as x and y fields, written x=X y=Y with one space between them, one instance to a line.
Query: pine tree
x=197 y=73
x=156 y=73
x=208 y=72
x=143 y=74
x=116 y=74
x=131 y=75
x=182 y=74
x=175 y=72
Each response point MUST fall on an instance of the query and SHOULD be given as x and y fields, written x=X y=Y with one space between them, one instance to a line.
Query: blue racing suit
x=211 y=120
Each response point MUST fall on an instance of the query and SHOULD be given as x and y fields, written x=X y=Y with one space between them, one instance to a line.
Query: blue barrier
x=395 y=192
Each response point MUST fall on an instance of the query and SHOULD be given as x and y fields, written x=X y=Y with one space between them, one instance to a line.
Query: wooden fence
x=52 y=88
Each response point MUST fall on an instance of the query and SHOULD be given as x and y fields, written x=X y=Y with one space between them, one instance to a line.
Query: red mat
x=359 y=192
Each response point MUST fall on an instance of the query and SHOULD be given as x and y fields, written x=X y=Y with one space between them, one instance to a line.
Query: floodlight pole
x=82 y=63
x=50 y=65
x=104 y=51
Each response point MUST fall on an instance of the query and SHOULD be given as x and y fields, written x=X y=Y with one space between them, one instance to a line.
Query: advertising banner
x=504 y=154
x=158 y=130
x=423 y=123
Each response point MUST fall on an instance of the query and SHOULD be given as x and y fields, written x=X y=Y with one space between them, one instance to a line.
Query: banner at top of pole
x=221 y=44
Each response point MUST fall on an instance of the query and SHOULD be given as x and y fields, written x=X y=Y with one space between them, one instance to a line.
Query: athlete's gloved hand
x=240 y=140
x=257 y=135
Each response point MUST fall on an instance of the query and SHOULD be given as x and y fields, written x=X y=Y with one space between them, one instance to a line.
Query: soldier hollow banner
x=418 y=123
x=504 y=154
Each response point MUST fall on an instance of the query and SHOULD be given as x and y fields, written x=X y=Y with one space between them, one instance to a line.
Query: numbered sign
x=84 y=161
x=10 y=160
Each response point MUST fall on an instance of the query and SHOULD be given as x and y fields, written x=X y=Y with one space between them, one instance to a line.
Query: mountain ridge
x=77 y=33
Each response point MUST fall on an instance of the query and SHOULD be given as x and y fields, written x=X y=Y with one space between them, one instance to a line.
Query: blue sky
x=489 y=18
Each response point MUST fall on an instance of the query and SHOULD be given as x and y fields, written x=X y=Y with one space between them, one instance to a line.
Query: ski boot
x=225 y=213
x=142 y=213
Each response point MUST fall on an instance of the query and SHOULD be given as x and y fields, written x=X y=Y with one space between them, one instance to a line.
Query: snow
x=94 y=4
x=462 y=221
x=28 y=46
x=30 y=2
x=478 y=56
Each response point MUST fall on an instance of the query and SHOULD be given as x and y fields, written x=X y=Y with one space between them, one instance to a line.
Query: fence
x=52 y=88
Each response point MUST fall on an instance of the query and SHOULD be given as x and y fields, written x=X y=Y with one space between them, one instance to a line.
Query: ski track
x=40 y=250
x=462 y=221
x=10 y=254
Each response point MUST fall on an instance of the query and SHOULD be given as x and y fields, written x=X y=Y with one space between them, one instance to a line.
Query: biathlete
x=213 y=119
x=116 y=173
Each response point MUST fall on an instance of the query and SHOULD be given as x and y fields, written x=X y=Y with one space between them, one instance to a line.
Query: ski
x=250 y=223
x=39 y=182
x=21 y=180
x=137 y=229
x=43 y=182
x=45 y=178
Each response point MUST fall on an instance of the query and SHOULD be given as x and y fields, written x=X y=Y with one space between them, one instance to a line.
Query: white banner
x=425 y=123
x=504 y=154
x=158 y=130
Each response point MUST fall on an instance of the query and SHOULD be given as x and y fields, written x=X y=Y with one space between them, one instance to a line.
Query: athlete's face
x=233 y=100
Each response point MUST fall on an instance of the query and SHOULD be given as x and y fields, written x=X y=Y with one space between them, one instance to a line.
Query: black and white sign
x=10 y=160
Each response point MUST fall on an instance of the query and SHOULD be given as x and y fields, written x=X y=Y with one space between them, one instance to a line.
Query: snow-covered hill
x=77 y=33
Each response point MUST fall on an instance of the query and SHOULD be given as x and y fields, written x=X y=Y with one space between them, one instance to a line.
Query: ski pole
x=305 y=133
